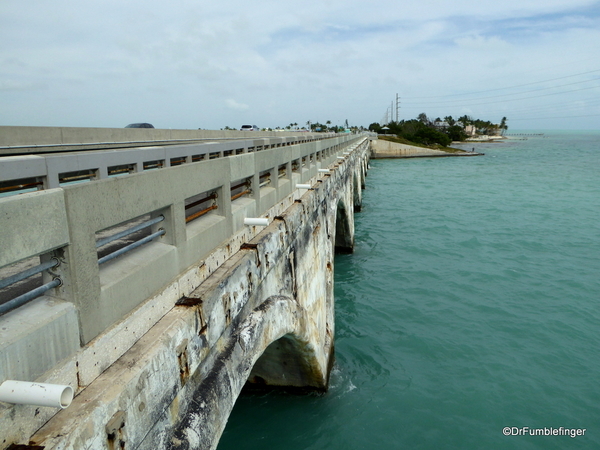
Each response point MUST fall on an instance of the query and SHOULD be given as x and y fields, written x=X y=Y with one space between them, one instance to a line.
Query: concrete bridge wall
x=99 y=331
x=24 y=140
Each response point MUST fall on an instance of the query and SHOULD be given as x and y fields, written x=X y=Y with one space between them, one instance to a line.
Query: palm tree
x=423 y=118
x=503 y=126
x=465 y=120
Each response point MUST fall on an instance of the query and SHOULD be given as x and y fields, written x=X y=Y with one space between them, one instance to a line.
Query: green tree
x=465 y=120
x=375 y=127
x=456 y=133
x=419 y=132
x=429 y=136
x=450 y=121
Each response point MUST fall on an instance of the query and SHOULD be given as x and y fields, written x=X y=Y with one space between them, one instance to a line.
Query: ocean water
x=471 y=304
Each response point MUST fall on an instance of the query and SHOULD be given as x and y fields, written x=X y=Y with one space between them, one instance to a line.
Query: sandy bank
x=386 y=149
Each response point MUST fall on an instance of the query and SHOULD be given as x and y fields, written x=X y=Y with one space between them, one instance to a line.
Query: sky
x=187 y=64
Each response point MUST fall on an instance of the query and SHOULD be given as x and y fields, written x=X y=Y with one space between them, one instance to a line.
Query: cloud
x=332 y=60
x=478 y=43
x=16 y=85
x=235 y=105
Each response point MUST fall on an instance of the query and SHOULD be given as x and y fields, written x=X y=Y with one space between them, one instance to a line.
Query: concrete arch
x=289 y=361
x=344 y=228
x=262 y=344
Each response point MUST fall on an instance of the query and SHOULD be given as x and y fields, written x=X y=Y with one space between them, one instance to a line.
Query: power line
x=509 y=87
x=574 y=105
x=554 y=117
x=567 y=105
x=523 y=92
x=467 y=103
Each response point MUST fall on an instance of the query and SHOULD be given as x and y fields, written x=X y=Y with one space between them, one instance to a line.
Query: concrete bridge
x=167 y=278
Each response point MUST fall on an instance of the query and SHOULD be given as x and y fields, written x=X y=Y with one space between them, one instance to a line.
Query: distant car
x=140 y=125
x=249 y=128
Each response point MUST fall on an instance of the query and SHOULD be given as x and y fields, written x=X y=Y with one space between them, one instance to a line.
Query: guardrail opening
x=196 y=158
x=200 y=205
x=265 y=178
x=23 y=281
x=124 y=237
x=241 y=188
x=124 y=169
x=78 y=176
x=177 y=161
x=296 y=165
x=151 y=165
x=21 y=186
x=282 y=171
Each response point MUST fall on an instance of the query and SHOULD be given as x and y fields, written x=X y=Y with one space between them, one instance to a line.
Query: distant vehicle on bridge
x=249 y=128
x=140 y=125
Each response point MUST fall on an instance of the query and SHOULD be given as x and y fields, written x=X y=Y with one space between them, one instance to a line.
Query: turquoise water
x=471 y=304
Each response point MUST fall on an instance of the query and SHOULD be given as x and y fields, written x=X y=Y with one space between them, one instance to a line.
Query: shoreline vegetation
x=393 y=147
x=400 y=140
x=438 y=135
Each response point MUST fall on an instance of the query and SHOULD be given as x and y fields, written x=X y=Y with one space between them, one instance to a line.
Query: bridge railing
x=35 y=172
x=71 y=224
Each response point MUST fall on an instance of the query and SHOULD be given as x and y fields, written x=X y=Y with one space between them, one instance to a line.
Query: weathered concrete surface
x=386 y=149
x=31 y=224
x=266 y=314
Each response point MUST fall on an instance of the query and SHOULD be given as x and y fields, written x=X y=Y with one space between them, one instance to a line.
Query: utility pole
x=397 y=106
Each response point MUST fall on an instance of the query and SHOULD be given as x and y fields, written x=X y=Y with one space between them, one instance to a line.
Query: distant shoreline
x=483 y=138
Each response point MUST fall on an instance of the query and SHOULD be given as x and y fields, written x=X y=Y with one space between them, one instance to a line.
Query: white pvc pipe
x=303 y=186
x=39 y=394
x=341 y=157
x=323 y=170
x=256 y=221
